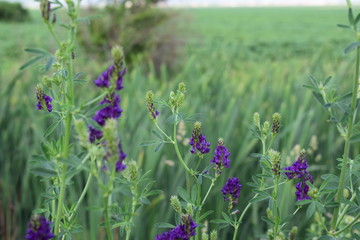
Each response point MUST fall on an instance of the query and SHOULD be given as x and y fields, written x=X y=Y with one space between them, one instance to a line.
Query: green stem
x=343 y=213
x=236 y=227
x=339 y=193
x=178 y=151
x=346 y=227
x=168 y=138
x=208 y=192
x=133 y=207
x=88 y=181
x=107 y=219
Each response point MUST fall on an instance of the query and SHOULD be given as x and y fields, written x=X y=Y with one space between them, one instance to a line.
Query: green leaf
x=303 y=202
x=145 y=201
x=51 y=129
x=158 y=147
x=326 y=238
x=313 y=81
x=202 y=217
x=226 y=217
x=43 y=172
x=319 y=98
x=32 y=62
x=219 y=221
x=351 y=16
x=355 y=138
x=163 y=225
x=38 y=51
x=149 y=143
x=327 y=80
x=49 y=63
x=183 y=194
x=351 y=47
x=156 y=134
x=194 y=193
x=267 y=220
x=310 y=210
x=343 y=26
x=258 y=199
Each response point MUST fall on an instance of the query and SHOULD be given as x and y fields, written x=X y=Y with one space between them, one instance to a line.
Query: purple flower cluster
x=105 y=77
x=111 y=109
x=43 y=99
x=221 y=156
x=184 y=231
x=299 y=170
x=39 y=229
x=154 y=113
x=231 y=190
x=199 y=144
x=119 y=164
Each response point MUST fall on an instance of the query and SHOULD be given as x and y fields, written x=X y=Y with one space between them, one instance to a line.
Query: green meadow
x=234 y=61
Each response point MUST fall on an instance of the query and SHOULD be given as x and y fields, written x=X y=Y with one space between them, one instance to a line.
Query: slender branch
x=339 y=193
x=168 y=138
x=346 y=227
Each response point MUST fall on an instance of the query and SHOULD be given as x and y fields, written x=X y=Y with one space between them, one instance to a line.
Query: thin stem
x=236 y=227
x=106 y=216
x=168 y=138
x=178 y=151
x=53 y=34
x=292 y=214
x=133 y=207
x=88 y=181
x=339 y=193
x=346 y=227
x=208 y=192
x=343 y=213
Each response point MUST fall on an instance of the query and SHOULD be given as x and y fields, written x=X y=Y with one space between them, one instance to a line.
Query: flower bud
x=110 y=130
x=266 y=128
x=181 y=88
x=213 y=235
x=275 y=123
x=153 y=113
x=117 y=53
x=293 y=232
x=82 y=132
x=45 y=9
x=275 y=158
x=172 y=100
x=180 y=100
x=204 y=236
x=189 y=209
x=175 y=203
x=256 y=120
x=131 y=172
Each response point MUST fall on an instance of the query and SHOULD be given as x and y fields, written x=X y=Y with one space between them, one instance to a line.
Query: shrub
x=13 y=12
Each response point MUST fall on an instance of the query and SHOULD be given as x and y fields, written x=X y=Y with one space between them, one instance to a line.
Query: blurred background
x=236 y=57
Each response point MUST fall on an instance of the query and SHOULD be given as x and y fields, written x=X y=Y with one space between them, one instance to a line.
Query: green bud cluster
x=117 y=53
x=175 y=203
x=275 y=159
x=177 y=99
x=189 y=209
x=149 y=99
x=276 y=118
x=213 y=235
x=266 y=128
x=82 y=133
x=205 y=236
x=131 y=172
x=110 y=130
x=71 y=9
x=293 y=232
x=256 y=120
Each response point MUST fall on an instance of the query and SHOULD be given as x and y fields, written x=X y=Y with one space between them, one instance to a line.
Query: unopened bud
x=175 y=203
x=110 y=135
x=82 y=132
x=293 y=232
x=275 y=123
x=275 y=158
x=153 y=113
x=204 y=236
x=182 y=87
x=131 y=172
x=189 y=209
x=213 y=235
x=117 y=53
x=256 y=120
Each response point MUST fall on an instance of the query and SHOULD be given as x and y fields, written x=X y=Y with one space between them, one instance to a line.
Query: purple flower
x=94 y=134
x=104 y=79
x=39 y=229
x=198 y=141
x=184 y=231
x=119 y=164
x=119 y=80
x=302 y=190
x=299 y=170
x=43 y=99
x=221 y=156
x=231 y=190
x=112 y=110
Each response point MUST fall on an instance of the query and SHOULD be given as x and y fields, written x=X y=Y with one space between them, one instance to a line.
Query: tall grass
x=234 y=66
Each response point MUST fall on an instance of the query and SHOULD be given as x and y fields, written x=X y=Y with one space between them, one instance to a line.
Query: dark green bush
x=13 y=12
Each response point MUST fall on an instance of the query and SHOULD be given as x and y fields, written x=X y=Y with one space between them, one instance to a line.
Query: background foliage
x=235 y=62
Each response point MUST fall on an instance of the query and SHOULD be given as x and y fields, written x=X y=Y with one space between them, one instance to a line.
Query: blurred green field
x=235 y=62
